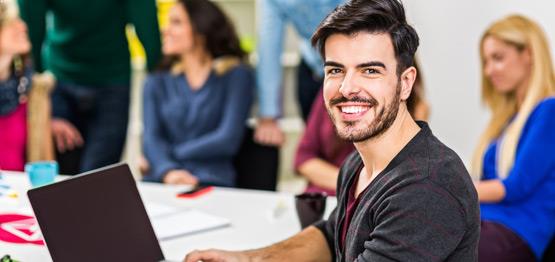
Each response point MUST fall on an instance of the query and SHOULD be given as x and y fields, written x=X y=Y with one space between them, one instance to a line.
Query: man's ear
x=407 y=81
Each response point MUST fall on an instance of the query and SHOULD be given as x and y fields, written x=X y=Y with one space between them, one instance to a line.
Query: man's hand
x=180 y=177
x=308 y=245
x=268 y=132
x=66 y=136
x=214 y=255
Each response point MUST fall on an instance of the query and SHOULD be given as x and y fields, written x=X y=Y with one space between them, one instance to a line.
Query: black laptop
x=96 y=216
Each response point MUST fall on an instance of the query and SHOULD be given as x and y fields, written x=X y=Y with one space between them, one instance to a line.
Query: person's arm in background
x=269 y=74
x=142 y=14
x=226 y=138
x=490 y=191
x=155 y=145
x=33 y=12
x=308 y=245
x=533 y=163
x=308 y=160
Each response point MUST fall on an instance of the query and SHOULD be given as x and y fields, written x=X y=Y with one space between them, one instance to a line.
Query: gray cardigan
x=422 y=207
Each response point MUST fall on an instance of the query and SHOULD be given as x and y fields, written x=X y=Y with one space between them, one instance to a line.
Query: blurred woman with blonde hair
x=514 y=159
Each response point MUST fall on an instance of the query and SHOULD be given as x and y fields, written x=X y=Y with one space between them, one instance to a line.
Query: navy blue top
x=528 y=208
x=196 y=130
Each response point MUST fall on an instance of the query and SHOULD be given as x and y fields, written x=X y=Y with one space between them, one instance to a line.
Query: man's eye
x=370 y=71
x=334 y=71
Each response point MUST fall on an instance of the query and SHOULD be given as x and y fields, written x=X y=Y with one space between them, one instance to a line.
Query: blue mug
x=41 y=173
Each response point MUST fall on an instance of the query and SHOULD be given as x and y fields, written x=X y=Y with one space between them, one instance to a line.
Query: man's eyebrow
x=363 y=65
x=334 y=64
x=371 y=64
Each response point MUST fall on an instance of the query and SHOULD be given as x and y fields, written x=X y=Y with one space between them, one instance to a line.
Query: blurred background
x=449 y=31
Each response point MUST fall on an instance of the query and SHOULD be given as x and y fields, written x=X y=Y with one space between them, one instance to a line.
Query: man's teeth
x=353 y=109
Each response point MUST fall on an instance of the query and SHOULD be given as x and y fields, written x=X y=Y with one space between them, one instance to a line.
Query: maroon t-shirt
x=321 y=141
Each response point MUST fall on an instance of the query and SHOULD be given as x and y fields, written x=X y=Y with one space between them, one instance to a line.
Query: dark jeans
x=256 y=165
x=308 y=85
x=100 y=113
x=498 y=243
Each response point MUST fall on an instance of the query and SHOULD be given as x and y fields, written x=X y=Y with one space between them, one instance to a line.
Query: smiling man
x=403 y=196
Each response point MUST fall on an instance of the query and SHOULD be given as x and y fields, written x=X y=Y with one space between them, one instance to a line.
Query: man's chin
x=352 y=134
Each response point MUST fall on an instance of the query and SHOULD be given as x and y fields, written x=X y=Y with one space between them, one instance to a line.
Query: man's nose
x=349 y=87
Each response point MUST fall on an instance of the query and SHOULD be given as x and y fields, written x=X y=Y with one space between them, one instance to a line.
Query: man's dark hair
x=372 y=16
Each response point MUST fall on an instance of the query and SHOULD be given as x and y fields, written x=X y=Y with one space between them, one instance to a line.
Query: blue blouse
x=196 y=130
x=528 y=208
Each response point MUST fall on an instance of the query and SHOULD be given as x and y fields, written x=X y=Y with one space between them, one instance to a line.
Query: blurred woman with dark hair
x=24 y=104
x=196 y=107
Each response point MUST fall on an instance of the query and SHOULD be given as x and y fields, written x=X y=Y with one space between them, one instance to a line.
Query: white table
x=258 y=218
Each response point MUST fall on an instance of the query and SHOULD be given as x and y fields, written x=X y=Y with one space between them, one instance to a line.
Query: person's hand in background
x=66 y=136
x=180 y=177
x=268 y=132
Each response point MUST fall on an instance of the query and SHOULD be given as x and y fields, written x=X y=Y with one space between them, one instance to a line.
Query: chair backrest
x=549 y=254
x=39 y=139
x=256 y=165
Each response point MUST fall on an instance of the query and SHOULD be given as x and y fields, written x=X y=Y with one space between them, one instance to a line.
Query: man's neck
x=376 y=153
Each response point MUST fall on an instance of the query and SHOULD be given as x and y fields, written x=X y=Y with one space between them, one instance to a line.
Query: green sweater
x=85 y=41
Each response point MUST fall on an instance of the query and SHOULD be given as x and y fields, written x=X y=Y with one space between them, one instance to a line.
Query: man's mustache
x=370 y=101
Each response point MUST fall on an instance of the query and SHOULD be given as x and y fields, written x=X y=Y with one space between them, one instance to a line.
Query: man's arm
x=142 y=14
x=308 y=245
x=269 y=70
x=269 y=73
x=33 y=12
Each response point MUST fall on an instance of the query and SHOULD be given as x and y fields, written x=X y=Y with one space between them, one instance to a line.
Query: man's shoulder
x=431 y=163
x=444 y=164
x=447 y=172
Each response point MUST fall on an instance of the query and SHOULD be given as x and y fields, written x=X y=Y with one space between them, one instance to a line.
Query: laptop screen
x=96 y=216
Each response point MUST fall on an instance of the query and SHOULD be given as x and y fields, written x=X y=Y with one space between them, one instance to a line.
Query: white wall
x=449 y=31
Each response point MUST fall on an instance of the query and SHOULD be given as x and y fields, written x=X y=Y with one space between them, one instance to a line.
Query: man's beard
x=381 y=123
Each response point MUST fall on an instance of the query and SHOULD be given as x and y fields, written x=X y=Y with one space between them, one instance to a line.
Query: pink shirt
x=13 y=136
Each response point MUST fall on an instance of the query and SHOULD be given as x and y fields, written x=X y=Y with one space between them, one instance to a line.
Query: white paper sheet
x=185 y=223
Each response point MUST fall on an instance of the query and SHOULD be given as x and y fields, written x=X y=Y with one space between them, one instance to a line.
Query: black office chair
x=549 y=254
x=256 y=165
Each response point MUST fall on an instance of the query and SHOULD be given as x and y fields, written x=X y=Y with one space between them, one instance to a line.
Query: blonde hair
x=220 y=65
x=524 y=34
x=8 y=10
